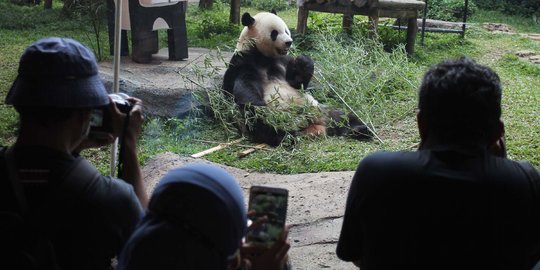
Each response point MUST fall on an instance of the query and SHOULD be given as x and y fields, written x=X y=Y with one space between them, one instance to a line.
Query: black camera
x=101 y=119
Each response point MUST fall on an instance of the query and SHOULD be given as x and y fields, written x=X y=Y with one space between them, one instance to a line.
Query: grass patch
x=521 y=112
x=516 y=23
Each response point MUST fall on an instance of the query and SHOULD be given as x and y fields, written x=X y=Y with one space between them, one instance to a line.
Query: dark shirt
x=88 y=220
x=444 y=208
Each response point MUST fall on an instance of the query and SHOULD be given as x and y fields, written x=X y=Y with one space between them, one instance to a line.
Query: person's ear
x=497 y=145
x=497 y=133
x=500 y=129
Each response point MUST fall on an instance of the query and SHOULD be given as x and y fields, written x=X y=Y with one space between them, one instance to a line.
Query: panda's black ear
x=247 y=20
x=273 y=11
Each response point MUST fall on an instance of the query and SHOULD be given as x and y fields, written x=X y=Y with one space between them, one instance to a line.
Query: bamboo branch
x=257 y=147
x=196 y=83
x=349 y=107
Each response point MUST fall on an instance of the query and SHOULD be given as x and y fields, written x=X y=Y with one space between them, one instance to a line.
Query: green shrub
x=449 y=10
x=524 y=8
x=210 y=28
x=92 y=13
x=21 y=17
x=357 y=75
x=324 y=22
x=490 y=4
x=212 y=25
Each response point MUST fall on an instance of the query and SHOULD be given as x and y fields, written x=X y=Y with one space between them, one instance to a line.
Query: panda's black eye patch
x=273 y=35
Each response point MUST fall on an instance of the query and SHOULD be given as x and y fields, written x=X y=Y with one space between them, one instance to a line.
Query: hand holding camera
x=122 y=118
x=122 y=115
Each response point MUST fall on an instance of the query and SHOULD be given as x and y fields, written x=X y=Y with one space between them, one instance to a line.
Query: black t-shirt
x=444 y=208
x=88 y=220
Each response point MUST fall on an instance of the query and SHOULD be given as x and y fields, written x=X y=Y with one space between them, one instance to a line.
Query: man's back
x=445 y=208
x=87 y=218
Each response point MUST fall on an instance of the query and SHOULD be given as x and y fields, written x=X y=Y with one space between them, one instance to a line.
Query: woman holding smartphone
x=196 y=219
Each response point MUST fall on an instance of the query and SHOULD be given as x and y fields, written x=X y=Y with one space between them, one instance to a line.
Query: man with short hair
x=457 y=202
x=86 y=216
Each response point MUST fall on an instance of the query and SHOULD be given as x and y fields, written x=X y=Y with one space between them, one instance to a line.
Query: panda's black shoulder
x=254 y=58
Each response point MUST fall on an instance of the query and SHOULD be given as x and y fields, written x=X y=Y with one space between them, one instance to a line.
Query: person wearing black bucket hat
x=86 y=216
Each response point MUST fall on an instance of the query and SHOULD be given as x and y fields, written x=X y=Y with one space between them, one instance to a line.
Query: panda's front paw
x=304 y=65
x=299 y=72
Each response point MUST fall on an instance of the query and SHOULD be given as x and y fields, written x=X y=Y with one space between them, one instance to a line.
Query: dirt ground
x=530 y=56
x=315 y=211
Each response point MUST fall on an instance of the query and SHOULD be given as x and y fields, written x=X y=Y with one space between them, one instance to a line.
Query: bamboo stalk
x=349 y=107
x=216 y=148
x=236 y=145
x=253 y=149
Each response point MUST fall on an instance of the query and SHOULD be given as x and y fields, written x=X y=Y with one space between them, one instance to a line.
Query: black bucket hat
x=59 y=73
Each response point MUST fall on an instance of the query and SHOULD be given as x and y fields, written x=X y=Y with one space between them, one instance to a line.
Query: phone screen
x=270 y=202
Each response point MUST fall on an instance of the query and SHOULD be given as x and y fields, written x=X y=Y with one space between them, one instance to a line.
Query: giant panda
x=262 y=73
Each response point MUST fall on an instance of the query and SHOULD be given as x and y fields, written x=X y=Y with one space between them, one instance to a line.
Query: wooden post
x=347 y=23
x=47 y=4
x=301 y=25
x=235 y=12
x=206 y=4
x=412 y=28
x=373 y=23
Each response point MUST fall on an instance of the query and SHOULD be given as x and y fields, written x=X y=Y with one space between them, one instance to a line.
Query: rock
x=166 y=86
x=497 y=27
x=524 y=53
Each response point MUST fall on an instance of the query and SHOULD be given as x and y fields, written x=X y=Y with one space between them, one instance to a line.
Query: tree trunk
x=48 y=4
x=68 y=7
x=206 y=4
x=235 y=12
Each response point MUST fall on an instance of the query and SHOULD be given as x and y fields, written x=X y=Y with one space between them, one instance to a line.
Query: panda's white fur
x=260 y=32
x=281 y=95
x=277 y=92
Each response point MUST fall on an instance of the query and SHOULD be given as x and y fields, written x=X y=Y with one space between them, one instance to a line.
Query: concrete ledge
x=164 y=85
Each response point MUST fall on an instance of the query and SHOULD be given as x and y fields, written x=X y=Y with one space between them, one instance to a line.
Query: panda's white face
x=268 y=33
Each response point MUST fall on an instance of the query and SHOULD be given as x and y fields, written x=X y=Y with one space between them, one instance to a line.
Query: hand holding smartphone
x=272 y=203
